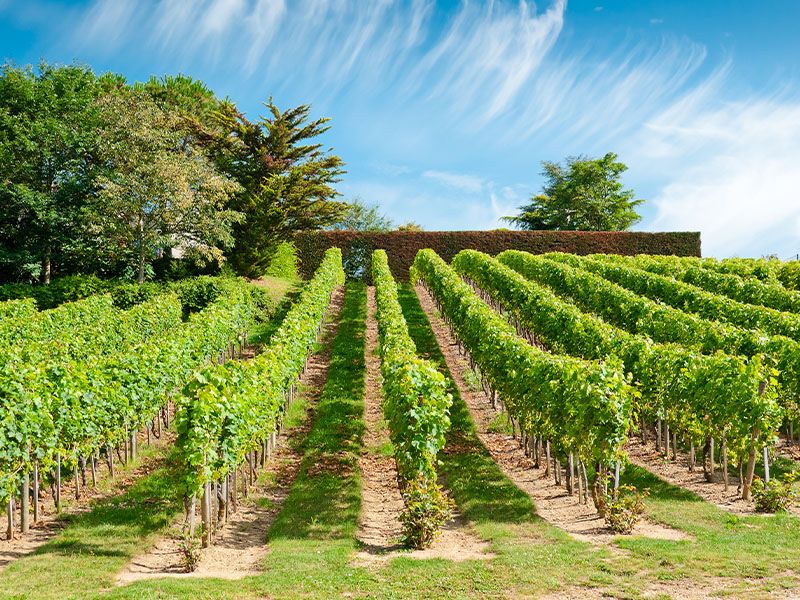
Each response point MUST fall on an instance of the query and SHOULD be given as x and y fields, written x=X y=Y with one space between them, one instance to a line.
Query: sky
x=443 y=111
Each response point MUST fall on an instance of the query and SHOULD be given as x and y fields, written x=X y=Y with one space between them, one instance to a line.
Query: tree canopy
x=360 y=216
x=99 y=175
x=286 y=181
x=48 y=127
x=582 y=194
x=157 y=190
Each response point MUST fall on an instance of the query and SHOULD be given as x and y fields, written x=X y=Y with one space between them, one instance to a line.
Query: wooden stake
x=58 y=482
x=25 y=497
x=10 y=514
x=725 y=462
x=36 y=491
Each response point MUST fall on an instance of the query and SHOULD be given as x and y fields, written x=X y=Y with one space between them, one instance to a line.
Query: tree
x=583 y=194
x=410 y=226
x=286 y=182
x=47 y=134
x=158 y=191
x=361 y=217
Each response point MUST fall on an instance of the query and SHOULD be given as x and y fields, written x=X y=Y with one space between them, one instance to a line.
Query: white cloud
x=466 y=183
x=733 y=173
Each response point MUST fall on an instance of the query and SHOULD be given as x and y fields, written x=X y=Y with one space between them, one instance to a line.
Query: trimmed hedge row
x=402 y=246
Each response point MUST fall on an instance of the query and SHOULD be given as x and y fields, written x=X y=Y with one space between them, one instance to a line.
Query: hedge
x=402 y=246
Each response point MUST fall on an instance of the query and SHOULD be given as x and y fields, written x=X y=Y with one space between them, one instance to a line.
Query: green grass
x=312 y=541
x=95 y=545
x=284 y=292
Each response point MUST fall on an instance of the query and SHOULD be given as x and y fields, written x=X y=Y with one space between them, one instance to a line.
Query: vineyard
x=520 y=425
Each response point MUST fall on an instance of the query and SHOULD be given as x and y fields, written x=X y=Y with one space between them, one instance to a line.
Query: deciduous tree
x=47 y=135
x=583 y=194
x=158 y=190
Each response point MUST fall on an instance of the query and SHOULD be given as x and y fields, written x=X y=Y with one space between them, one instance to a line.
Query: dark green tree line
x=99 y=175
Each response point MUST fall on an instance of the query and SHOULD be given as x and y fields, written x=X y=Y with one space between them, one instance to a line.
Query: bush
x=189 y=547
x=284 y=263
x=775 y=495
x=198 y=292
x=127 y=295
x=623 y=512
x=427 y=510
x=264 y=304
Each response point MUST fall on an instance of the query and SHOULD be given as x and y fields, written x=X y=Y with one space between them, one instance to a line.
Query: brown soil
x=380 y=529
x=677 y=473
x=51 y=523
x=552 y=502
x=240 y=544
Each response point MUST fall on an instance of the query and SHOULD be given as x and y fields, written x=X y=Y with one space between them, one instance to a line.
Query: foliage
x=427 y=510
x=581 y=406
x=662 y=323
x=76 y=393
x=228 y=409
x=789 y=275
x=623 y=512
x=47 y=129
x=410 y=226
x=286 y=181
x=402 y=246
x=583 y=194
x=690 y=271
x=189 y=547
x=284 y=263
x=692 y=299
x=157 y=191
x=699 y=395
x=775 y=495
x=416 y=405
x=361 y=217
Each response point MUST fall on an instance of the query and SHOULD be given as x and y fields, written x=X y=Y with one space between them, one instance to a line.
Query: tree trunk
x=766 y=464
x=142 y=254
x=46 y=264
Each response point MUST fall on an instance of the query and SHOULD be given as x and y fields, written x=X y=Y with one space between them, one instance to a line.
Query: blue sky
x=444 y=110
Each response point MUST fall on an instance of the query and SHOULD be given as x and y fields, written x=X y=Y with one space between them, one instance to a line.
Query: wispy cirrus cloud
x=456 y=104
x=459 y=181
x=733 y=172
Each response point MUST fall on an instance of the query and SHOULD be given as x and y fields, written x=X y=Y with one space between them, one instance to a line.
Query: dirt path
x=380 y=529
x=677 y=473
x=51 y=523
x=240 y=545
x=552 y=502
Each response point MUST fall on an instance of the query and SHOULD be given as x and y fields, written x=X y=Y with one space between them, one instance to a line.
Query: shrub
x=623 y=512
x=198 y=292
x=127 y=295
x=775 y=495
x=264 y=304
x=284 y=263
x=427 y=510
